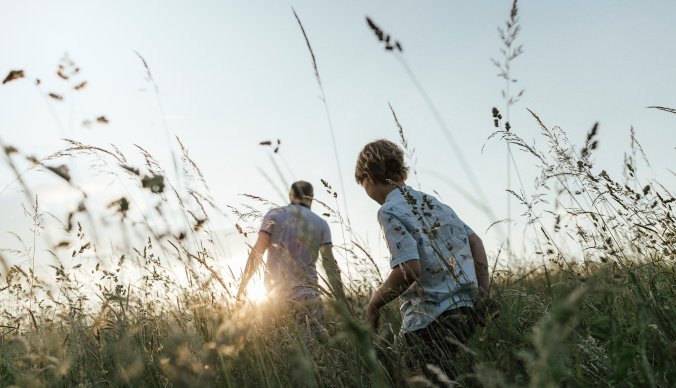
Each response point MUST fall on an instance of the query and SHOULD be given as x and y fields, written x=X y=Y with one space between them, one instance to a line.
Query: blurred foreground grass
x=585 y=325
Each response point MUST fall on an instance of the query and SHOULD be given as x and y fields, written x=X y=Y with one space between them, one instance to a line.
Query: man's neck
x=301 y=204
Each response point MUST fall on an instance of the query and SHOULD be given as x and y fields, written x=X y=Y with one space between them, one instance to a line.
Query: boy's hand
x=486 y=308
x=401 y=278
x=373 y=316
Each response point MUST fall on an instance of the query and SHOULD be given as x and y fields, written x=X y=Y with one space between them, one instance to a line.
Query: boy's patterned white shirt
x=417 y=226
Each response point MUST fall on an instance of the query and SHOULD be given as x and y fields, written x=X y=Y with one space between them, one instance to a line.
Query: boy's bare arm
x=480 y=263
x=400 y=279
x=332 y=271
x=254 y=260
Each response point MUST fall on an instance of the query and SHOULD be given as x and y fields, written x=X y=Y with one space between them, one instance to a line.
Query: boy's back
x=418 y=226
x=435 y=262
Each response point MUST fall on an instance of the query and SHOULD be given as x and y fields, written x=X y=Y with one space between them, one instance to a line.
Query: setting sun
x=256 y=291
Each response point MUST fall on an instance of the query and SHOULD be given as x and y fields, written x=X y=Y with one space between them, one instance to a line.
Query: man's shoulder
x=318 y=219
x=307 y=214
x=276 y=211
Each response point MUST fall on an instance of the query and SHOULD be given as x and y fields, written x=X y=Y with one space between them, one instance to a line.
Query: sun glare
x=256 y=290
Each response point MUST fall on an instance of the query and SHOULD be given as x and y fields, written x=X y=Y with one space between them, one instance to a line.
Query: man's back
x=296 y=233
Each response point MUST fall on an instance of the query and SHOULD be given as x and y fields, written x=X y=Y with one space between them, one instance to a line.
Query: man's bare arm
x=480 y=263
x=332 y=271
x=254 y=260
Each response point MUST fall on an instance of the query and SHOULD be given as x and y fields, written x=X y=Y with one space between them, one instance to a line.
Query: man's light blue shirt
x=417 y=226
x=296 y=233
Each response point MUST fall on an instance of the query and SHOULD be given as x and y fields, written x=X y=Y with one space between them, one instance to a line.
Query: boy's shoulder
x=395 y=206
x=406 y=199
x=402 y=203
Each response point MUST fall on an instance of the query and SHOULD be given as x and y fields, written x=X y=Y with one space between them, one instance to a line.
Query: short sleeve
x=403 y=247
x=325 y=234
x=268 y=222
x=468 y=230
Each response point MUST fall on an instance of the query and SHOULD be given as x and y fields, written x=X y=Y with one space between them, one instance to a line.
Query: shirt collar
x=300 y=204
x=396 y=193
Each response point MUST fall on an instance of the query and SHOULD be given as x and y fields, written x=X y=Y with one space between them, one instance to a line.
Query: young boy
x=439 y=265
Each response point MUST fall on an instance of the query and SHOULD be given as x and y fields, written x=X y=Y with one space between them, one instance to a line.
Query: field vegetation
x=592 y=306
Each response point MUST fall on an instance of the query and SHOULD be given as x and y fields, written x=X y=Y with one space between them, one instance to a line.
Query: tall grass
x=602 y=318
x=159 y=311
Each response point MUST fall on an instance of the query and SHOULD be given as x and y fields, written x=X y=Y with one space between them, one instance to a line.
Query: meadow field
x=591 y=305
x=605 y=318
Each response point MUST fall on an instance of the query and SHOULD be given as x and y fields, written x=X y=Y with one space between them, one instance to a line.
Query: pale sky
x=234 y=73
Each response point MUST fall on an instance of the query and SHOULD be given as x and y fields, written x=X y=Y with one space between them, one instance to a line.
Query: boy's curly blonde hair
x=383 y=161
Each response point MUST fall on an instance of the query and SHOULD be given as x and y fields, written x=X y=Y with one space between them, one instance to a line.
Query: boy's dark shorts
x=440 y=342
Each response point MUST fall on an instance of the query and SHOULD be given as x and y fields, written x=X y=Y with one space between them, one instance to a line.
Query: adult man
x=294 y=236
x=439 y=265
